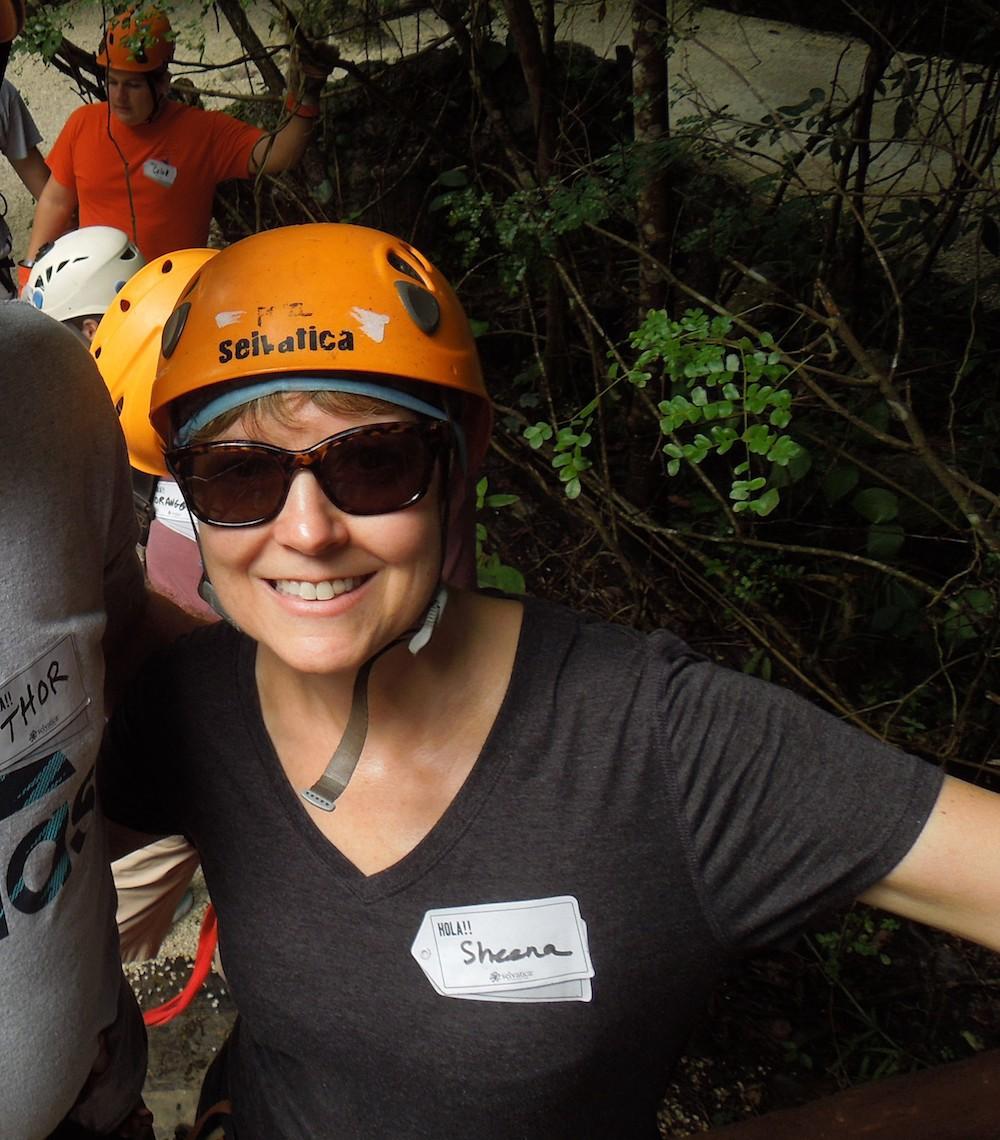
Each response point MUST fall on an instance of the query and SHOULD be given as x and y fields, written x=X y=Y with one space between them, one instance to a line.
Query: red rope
x=207 y=939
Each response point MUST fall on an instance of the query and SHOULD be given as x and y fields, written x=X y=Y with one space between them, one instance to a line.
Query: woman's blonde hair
x=284 y=407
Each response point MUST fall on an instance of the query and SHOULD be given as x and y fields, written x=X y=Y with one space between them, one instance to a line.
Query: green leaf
x=876 y=504
x=839 y=481
x=758 y=439
x=478 y=327
x=491 y=573
x=979 y=600
x=783 y=451
x=973 y=1040
x=742 y=488
x=799 y=465
x=877 y=416
x=766 y=503
x=452 y=178
x=758 y=664
x=884 y=540
x=537 y=434
x=497 y=501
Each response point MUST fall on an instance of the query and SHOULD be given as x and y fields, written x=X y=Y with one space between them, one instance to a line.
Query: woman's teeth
x=316 y=591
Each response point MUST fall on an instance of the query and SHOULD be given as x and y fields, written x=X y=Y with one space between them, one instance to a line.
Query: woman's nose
x=309 y=521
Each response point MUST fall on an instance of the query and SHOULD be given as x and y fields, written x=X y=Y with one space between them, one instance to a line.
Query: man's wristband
x=295 y=106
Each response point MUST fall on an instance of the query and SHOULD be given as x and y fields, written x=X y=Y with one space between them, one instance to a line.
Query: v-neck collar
x=459 y=814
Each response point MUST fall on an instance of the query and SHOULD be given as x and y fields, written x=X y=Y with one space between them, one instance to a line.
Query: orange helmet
x=137 y=39
x=126 y=347
x=321 y=299
x=11 y=19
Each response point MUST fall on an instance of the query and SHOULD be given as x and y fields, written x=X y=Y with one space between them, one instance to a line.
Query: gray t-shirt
x=18 y=133
x=67 y=570
x=687 y=812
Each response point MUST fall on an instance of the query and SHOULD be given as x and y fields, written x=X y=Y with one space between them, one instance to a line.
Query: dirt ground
x=181 y=1050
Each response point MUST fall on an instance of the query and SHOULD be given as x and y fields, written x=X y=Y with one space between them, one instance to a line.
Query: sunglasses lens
x=378 y=470
x=370 y=470
x=233 y=486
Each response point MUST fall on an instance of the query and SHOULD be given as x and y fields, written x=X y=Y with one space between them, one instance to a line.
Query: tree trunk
x=651 y=126
x=650 y=78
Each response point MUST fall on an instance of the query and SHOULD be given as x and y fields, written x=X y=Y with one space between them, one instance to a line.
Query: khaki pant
x=150 y=883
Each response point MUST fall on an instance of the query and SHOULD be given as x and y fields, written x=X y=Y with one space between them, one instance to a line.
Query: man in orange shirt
x=149 y=165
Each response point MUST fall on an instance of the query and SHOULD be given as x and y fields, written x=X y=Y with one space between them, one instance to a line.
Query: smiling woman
x=321 y=548
x=537 y=838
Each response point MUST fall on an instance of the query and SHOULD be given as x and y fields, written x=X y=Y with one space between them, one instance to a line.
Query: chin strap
x=206 y=591
x=329 y=787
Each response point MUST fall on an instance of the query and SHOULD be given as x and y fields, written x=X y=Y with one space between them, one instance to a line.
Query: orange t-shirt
x=174 y=165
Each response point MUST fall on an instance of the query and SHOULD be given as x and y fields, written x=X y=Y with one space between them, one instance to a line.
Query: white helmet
x=79 y=273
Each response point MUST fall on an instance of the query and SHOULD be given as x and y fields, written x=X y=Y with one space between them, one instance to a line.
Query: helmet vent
x=402 y=266
x=166 y=266
x=421 y=305
x=124 y=304
x=173 y=328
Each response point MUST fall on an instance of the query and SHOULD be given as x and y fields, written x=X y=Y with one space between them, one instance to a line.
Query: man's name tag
x=40 y=701
x=533 y=950
x=161 y=172
x=168 y=503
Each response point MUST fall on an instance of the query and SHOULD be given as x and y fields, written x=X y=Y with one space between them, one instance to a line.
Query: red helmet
x=137 y=39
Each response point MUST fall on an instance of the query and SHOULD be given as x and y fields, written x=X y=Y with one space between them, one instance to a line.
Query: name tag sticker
x=41 y=701
x=168 y=503
x=534 y=950
x=161 y=172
